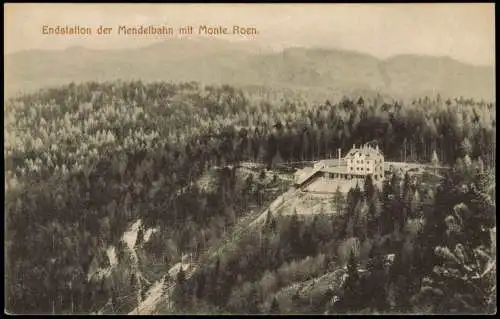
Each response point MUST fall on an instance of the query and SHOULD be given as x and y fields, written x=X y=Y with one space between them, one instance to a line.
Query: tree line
x=82 y=161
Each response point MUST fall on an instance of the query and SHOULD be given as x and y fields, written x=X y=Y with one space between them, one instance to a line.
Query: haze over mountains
x=241 y=63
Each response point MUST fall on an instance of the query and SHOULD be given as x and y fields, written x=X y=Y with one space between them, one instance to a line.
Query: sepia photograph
x=266 y=159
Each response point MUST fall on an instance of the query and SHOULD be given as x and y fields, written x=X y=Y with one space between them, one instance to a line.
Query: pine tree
x=377 y=288
x=217 y=266
x=399 y=276
x=253 y=301
x=140 y=237
x=273 y=224
x=200 y=286
x=369 y=188
x=396 y=186
x=179 y=294
x=406 y=200
x=294 y=236
x=338 y=201
x=350 y=300
x=133 y=281
x=274 y=307
x=166 y=281
x=269 y=216
x=374 y=218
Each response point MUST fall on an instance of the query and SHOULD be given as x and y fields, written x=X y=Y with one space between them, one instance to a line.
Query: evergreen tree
x=133 y=281
x=268 y=217
x=294 y=235
x=350 y=300
x=375 y=221
x=406 y=200
x=133 y=150
x=253 y=301
x=386 y=217
x=398 y=274
x=217 y=267
x=396 y=186
x=274 y=309
x=338 y=201
x=369 y=188
x=179 y=294
x=376 y=289
x=140 y=237
x=273 y=224
x=166 y=281
x=200 y=286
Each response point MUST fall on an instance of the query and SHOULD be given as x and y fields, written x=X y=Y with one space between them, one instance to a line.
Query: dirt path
x=130 y=237
x=274 y=206
x=158 y=293
x=148 y=305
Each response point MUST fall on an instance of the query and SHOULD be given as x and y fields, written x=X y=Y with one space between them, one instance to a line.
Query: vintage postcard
x=249 y=159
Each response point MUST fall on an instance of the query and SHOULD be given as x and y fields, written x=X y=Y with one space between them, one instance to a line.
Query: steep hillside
x=181 y=168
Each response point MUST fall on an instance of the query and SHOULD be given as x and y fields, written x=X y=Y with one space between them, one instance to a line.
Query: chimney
x=339 y=154
x=353 y=146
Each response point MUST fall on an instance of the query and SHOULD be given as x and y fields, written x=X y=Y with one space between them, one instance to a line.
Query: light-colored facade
x=350 y=170
x=366 y=160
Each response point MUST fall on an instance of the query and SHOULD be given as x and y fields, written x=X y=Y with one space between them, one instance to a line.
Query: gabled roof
x=368 y=152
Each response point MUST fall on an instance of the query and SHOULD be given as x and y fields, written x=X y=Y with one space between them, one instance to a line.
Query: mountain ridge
x=218 y=61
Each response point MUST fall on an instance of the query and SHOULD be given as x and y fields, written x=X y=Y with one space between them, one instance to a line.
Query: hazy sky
x=463 y=31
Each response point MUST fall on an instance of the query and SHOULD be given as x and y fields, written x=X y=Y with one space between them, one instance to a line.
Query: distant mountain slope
x=429 y=75
x=238 y=63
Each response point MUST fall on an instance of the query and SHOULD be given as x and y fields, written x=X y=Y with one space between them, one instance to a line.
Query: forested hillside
x=85 y=161
x=411 y=248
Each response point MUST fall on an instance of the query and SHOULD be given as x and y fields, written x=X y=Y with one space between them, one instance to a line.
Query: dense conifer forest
x=84 y=161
